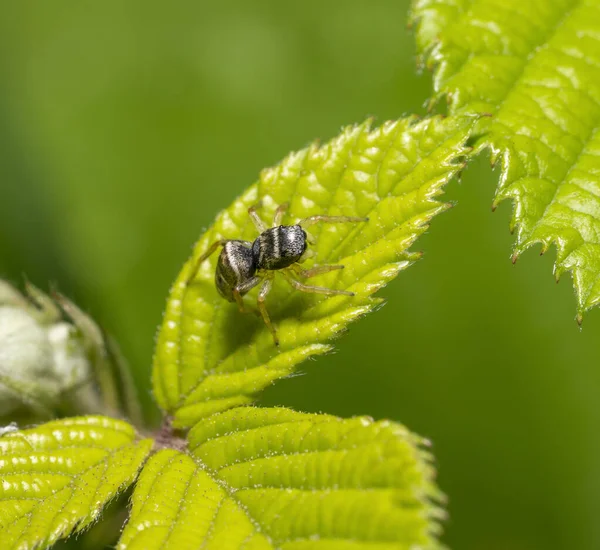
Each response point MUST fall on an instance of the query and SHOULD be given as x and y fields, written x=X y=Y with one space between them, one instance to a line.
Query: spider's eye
x=305 y=241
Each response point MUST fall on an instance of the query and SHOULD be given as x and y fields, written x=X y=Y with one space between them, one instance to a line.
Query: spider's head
x=279 y=247
x=292 y=241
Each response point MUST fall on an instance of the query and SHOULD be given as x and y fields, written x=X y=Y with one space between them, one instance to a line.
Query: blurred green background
x=126 y=126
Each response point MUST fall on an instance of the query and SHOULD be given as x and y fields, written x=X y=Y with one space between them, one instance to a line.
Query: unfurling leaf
x=535 y=67
x=209 y=357
x=278 y=479
x=56 y=478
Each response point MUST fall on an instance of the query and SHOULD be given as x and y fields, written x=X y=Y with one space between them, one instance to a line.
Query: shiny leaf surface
x=56 y=478
x=209 y=357
x=274 y=478
x=535 y=67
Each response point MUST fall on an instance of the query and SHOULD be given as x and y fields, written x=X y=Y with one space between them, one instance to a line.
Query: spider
x=242 y=265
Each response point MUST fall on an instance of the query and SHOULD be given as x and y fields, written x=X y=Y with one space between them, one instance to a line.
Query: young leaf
x=209 y=357
x=535 y=66
x=57 y=477
x=275 y=478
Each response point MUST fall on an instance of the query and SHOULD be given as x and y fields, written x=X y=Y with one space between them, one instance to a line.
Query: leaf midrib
x=230 y=493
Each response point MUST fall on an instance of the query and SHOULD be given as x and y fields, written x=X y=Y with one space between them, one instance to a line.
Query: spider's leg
x=315 y=289
x=314 y=271
x=279 y=214
x=242 y=288
x=262 y=295
x=200 y=260
x=258 y=223
x=306 y=222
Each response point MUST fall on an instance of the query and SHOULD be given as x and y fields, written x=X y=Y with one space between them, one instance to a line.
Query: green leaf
x=57 y=477
x=535 y=66
x=275 y=478
x=209 y=357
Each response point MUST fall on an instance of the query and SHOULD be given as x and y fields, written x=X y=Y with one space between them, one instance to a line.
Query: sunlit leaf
x=209 y=357
x=275 y=478
x=56 y=478
x=534 y=66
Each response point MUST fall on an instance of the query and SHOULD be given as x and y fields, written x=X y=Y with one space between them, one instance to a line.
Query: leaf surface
x=56 y=478
x=535 y=66
x=261 y=479
x=209 y=357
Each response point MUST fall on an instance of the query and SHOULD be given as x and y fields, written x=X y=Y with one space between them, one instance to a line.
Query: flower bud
x=27 y=373
x=41 y=356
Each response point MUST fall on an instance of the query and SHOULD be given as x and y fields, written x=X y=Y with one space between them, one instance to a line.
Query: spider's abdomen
x=279 y=247
x=235 y=265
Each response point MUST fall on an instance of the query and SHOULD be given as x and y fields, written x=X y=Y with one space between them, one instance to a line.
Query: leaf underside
x=209 y=357
x=274 y=478
x=56 y=478
x=534 y=65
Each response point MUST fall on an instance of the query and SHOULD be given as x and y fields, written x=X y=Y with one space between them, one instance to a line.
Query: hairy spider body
x=235 y=266
x=279 y=247
x=242 y=265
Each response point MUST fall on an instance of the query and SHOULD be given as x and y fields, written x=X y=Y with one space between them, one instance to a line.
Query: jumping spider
x=243 y=264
